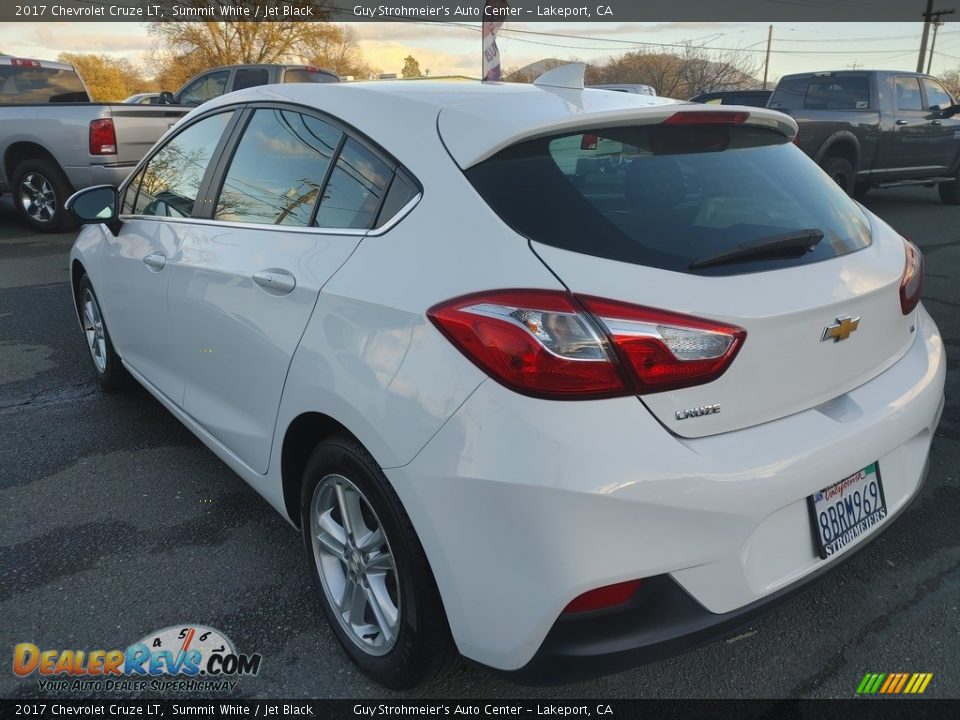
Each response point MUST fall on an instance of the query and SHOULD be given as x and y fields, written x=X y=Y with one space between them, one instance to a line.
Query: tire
x=107 y=366
x=40 y=190
x=950 y=191
x=394 y=629
x=841 y=172
x=861 y=188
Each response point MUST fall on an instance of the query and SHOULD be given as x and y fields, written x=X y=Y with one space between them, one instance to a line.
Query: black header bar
x=440 y=11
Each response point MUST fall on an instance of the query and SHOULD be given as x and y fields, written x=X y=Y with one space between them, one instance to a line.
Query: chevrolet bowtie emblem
x=841 y=329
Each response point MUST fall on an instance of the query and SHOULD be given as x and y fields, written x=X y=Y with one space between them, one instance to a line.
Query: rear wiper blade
x=772 y=246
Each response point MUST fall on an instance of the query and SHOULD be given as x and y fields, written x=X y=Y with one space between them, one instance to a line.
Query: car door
x=244 y=284
x=908 y=152
x=944 y=130
x=154 y=203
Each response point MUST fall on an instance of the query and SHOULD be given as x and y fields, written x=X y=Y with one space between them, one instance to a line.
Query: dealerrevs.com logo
x=184 y=658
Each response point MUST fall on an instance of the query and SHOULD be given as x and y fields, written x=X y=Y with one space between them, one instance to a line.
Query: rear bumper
x=662 y=620
x=524 y=504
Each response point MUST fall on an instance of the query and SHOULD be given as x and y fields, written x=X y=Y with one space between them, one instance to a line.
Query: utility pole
x=936 y=24
x=926 y=32
x=928 y=19
x=766 y=62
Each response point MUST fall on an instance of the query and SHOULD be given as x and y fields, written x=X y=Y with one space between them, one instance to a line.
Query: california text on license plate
x=844 y=511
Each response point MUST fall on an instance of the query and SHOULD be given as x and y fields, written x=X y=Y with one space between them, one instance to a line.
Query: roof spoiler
x=568 y=77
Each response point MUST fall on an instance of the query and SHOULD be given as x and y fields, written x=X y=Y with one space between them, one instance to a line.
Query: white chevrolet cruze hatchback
x=562 y=380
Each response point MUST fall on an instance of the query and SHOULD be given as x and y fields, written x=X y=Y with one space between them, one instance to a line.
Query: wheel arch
x=21 y=151
x=77 y=271
x=303 y=434
x=842 y=144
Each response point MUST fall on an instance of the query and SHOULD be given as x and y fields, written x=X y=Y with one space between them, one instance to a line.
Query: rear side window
x=278 y=169
x=39 y=85
x=356 y=188
x=833 y=92
x=908 y=93
x=305 y=75
x=249 y=77
x=169 y=183
x=670 y=196
x=402 y=190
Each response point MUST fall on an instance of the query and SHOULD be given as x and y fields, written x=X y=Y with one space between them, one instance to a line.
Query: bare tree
x=182 y=49
x=339 y=50
x=689 y=72
x=951 y=81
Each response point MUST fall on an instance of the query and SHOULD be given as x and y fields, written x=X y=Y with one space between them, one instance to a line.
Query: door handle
x=275 y=281
x=938 y=123
x=155 y=261
x=902 y=122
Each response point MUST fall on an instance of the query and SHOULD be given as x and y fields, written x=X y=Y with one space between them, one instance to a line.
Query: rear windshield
x=833 y=92
x=307 y=76
x=39 y=85
x=670 y=197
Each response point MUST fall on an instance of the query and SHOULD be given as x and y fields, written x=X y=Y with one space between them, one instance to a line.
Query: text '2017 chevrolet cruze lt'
x=558 y=379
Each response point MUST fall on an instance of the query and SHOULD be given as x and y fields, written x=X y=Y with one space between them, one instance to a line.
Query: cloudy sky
x=454 y=49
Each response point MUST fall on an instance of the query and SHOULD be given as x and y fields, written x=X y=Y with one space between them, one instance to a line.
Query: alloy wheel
x=356 y=566
x=37 y=197
x=94 y=332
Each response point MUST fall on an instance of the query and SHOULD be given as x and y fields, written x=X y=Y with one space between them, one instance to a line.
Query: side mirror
x=166 y=98
x=94 y=205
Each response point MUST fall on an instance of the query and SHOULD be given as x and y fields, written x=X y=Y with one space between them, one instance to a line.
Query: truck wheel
x=950 y=191
x=841 y=172
x=40 y=190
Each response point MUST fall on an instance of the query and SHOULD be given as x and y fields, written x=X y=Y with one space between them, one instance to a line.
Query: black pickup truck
x=876 y=128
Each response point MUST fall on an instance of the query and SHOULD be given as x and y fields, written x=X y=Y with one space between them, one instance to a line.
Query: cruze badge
x=841 y=329
x=698 y=412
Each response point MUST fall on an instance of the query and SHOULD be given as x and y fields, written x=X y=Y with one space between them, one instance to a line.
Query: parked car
x=53 y=140
x=221 y=80
x=876 y=128
x=143 y=99
x=632 y=88
x=748 y=98
x=559 y=416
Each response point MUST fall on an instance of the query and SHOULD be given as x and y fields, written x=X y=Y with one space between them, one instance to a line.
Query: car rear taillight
x=537 y=342
x=665 y=350
x=707 y=117
x=20 y=62
x=588 y=142
x=911 y=286
x=103 y=139
x=554 y=345
x=605 y=597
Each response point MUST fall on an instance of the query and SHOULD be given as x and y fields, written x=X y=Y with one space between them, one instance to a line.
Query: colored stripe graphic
x=894 y=683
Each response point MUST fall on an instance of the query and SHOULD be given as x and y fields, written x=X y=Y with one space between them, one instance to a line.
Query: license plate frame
x=843 y=530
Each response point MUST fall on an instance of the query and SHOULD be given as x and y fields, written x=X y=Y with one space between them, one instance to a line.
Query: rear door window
x=828 y=92
x=356 y=188
x=670 y=196
x=278 y=169
x=908 y=93
x=250 y=77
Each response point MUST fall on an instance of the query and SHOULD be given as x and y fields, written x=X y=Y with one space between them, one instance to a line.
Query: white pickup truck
x=54 y=141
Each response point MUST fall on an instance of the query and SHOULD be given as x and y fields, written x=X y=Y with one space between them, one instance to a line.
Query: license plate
x=846 y=510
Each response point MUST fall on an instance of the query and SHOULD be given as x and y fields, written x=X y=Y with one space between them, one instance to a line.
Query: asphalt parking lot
x=116 y=522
